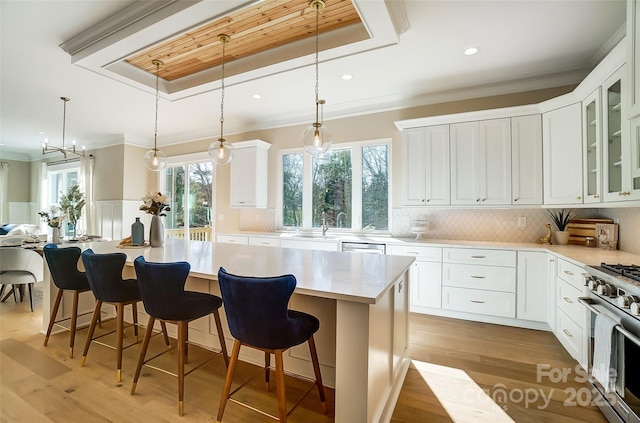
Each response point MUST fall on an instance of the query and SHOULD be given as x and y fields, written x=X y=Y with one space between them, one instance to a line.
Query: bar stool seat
x=63 y=266
x=258 y=316
x=164 y=298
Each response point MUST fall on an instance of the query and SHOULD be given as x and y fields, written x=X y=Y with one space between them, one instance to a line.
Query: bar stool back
x=258 y=314
x=165 y=299
x=63 y=266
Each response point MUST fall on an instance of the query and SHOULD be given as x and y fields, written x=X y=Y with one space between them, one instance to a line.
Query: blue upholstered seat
x=104 y=272
x=164 y=298
x=257 y=310
x=63 y=266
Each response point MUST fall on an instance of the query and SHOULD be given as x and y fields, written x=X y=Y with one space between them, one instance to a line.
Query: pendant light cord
x=223 y=39
x=155 y=130
x=64 y=118
x=317 y=7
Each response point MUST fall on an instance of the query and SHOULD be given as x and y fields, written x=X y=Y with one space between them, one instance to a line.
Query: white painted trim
x=469 y=116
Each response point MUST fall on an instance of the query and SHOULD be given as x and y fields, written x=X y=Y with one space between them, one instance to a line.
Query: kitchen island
x=361 y=301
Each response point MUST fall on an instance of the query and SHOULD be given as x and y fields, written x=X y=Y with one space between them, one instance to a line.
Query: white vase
x=156 y=232
x=55 y=236
x=561 y=237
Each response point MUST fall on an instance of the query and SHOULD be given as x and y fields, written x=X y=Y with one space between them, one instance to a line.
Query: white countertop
x=353 y=277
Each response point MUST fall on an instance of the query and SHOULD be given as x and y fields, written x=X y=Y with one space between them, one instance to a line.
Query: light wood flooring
x=458 y=372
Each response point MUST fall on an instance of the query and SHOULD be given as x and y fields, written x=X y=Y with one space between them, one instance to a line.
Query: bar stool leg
x=223 y=344
x=74 y=320
x=92 y=328
x=120 y=335
x=163 y=325
x=54 y=313
x=316 y=370
x=227 y=382
x=143 y=352
x=267 y=371
x=134 y=311
x=282 y=402
x=183 y=328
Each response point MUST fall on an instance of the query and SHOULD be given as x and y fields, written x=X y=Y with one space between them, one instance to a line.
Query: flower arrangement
x=561 y=218
x=155 y=203
x=72 y=204
x=53 y=216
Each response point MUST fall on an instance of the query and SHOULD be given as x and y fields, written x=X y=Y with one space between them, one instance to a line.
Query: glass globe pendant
x=220 y=152
x=154 y=159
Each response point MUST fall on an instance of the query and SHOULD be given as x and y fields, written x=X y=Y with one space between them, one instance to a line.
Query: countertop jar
x=590 y=241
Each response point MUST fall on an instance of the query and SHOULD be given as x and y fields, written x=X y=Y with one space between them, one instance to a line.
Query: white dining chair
x=20 y=266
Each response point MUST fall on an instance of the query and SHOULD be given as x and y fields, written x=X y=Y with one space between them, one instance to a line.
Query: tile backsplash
x=477 y=224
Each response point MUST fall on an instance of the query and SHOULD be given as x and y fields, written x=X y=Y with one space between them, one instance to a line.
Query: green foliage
x=561 y=217
x=72 y=204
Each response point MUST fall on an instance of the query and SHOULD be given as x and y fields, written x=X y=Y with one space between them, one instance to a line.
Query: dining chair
x=63 y=265
x=165 y=299
x=104 y=273
x=20 y=267
x=259 y=317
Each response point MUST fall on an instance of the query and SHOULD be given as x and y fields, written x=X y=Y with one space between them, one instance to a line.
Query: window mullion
x=356 y=188
x=307 y=188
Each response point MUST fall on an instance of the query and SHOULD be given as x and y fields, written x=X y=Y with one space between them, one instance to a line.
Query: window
x=350 y=185
x=188 y=181
x=59 y=180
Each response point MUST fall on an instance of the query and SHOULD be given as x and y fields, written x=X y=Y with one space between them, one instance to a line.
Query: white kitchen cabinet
x=233 y=239
x=481 y=162
x=526 y=159
x=562 y=155
x=249 y=174
x=310 y=245
x=633 y=56
x=592 y=146
x=426 y=166
x=426 y=276
x=264 y=241
x=616 y=175
x=533 y=286
x=634 y=156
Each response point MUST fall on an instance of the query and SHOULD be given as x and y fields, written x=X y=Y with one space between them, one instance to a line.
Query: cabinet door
x=634 y=141
x=633 y=56
x=495 y=166
x=526 y=159
x=426 y=166
x=533 y=286
x=426 y=285
x=562 y=155
x=243 y=178
x=612 y=139
x=591 y=146
x=466 y=149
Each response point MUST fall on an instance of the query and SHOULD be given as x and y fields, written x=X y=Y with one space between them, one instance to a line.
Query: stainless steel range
x=615 y=291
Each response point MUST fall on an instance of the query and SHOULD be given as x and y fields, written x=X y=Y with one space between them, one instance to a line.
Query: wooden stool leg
x=134 y=310
x=120 y=336
x=31 y=296
x=282 y=402
x=74 y=321
x=316 y=370
x=163 y=325
x=11 y=291
x=143 y=352
x=223 y=344
x=2 y=291
x=92 y=328
x=54 y=313
x=229 y=379
x=183 y=328
x=267 y=371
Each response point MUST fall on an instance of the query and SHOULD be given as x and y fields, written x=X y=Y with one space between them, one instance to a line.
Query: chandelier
x=221 y=153
x=48 y=148
x=317 y=138
x=155 y=159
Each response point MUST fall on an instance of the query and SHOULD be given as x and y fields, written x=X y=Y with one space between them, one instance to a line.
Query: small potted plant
x=561 y=219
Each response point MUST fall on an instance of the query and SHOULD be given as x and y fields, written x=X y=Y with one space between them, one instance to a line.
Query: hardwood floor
x=455 y=363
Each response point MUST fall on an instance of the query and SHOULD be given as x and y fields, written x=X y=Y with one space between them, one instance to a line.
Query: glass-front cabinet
x=592 y=139
x=615 y=180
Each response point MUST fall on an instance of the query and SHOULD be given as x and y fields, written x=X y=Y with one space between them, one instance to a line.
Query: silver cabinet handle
x=568 y=272
x=477 y=301
x=567 y=299
x=477 y=277
x=479 y=257
x=400 y=286
x=566 y=332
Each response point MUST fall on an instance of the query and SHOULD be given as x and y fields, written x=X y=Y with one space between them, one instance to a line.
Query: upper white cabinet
x=426 y=166
x=591 y=146
x=616 y=175
x=633 y=56
x=526 y=159
x=481 y=162
x=249 y=174
x=562 y=155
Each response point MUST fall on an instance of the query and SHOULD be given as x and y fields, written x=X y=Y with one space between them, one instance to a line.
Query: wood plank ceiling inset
x=258 y=28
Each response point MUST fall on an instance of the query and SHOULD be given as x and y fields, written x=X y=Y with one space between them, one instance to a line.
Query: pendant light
x=317 y=138
x=221 y=153
x=47 y=148
x=155 y=159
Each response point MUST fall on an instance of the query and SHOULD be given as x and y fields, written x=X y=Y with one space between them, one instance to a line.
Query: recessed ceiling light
x=347 y=77
x=471 y=51
x=257 y=96
x=42 y=133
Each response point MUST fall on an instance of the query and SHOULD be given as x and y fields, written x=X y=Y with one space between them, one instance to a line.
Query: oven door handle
x=586 y=301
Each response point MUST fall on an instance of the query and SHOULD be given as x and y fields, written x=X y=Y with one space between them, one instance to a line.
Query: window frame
x=356 y=180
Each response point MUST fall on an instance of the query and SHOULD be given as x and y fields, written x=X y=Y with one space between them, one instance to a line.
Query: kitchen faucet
x=324 y=226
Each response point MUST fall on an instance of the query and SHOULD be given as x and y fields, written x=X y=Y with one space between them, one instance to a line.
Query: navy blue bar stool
x=164 y=299
x=258 y=314
x=63 y=266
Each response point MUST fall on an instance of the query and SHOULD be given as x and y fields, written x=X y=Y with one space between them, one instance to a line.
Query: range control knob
x=635 y=308
x=606 y=290
x=625 y=301
x=593 y=284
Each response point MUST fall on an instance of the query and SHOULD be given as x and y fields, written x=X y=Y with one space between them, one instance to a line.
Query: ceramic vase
x=55 y=236
x=561 y=237
x=156 y=232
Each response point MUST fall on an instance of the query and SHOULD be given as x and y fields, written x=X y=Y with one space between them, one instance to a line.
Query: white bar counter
x=361 y=301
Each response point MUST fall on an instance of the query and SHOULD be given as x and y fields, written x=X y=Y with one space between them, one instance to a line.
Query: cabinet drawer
x=570 y=335
x=571 y=273
x=233 y=239
x=419 y=252
x=269 y=242
x=567 y=301
x=478 y=256
x=491 y=278
x=492 y=303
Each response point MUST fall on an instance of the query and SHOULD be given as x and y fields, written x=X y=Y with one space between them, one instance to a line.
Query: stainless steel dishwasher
x=364 y=247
